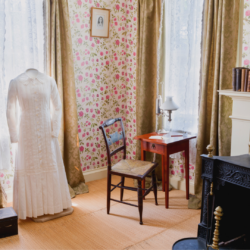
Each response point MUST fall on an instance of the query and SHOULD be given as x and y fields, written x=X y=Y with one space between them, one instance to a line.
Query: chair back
x=112 y=138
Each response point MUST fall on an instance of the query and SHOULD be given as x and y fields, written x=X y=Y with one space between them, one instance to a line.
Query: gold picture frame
x=100 y=20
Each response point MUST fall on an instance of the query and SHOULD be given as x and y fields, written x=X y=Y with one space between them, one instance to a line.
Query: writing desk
x=165 y=148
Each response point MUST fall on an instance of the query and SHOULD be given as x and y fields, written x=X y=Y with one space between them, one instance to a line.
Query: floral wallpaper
x=177 y=165
x=105 y=73
x=6 y=176
x=246 y=35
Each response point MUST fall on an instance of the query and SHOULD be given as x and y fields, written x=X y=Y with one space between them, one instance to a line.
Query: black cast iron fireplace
x=226 y=183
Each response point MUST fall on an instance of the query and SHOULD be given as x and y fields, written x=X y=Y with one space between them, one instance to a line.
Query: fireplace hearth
x=226 y=184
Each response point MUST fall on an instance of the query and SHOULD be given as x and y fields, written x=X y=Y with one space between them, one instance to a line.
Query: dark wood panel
x=230 y=176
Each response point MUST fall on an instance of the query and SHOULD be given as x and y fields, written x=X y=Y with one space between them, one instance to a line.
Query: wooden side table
x=165 y=148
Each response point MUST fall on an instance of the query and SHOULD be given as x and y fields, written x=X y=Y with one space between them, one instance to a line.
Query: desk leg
x=166 y=178
x=163 y=163
x=143 y=158
x=187 y=169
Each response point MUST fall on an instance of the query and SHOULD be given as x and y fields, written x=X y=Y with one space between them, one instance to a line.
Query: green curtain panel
x=60 y=66
x=149 y=15
x=219 y=53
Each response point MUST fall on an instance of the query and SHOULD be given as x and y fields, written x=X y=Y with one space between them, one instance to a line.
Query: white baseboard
x=175 y=181
x=96 y=174
x=180 y=183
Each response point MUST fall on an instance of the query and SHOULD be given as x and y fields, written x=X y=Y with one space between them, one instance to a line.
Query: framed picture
x=99 y=22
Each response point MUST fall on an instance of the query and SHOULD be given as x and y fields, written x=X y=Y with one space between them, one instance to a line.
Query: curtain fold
x=149 y=15
x=219 y=53
x=60 y=65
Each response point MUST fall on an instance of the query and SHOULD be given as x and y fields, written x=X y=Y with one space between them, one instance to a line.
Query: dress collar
x=25 y=78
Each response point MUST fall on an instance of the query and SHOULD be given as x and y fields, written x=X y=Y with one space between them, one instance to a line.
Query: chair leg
x=154 y=186
x=108 y=192
x=140 y=200
x=122 y=190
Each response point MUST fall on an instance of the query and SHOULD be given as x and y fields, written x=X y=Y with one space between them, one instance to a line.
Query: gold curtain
x=219 y=52
x=149 y=14
x=60 y=65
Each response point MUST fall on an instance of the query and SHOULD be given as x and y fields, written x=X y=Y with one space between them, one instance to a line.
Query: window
x=183 y=29
x=21 y=47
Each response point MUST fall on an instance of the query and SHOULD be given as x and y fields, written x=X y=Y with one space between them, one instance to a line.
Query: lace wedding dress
x=40 y=185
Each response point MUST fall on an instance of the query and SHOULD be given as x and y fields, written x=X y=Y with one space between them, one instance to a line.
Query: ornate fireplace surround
x=221 y=170
x=226 y=185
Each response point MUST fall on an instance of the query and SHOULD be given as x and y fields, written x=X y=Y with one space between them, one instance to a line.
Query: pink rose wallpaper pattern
x=177 y=165
x=105 y=76
x=6 y=176
x=246 y=35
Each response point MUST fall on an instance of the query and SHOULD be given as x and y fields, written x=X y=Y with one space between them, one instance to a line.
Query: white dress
x=40 y=184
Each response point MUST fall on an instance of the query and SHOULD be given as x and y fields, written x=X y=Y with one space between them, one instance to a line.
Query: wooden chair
x=127 y=168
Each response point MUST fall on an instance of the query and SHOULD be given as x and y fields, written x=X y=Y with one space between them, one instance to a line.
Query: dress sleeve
x=11 y=112
x=57 y=109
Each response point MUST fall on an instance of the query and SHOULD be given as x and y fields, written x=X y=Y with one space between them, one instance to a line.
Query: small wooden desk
x=165 y=148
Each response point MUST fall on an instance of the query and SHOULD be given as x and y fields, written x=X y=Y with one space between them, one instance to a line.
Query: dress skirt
x=39 y=193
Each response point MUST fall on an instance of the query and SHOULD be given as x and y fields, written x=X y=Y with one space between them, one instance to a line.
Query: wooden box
x=8 y=222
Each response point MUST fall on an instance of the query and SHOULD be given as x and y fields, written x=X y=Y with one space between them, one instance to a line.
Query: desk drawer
x=153 y=147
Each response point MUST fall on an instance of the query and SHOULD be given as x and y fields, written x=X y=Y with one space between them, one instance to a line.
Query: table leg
x=163 y=163
x=143 y=156
x=187 y=169
x=166 y=178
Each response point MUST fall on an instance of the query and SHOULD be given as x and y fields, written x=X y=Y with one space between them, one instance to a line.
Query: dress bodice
x=36 y=127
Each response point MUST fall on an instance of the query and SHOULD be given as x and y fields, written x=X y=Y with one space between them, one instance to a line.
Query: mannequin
x=40 y=185
x=32 y=72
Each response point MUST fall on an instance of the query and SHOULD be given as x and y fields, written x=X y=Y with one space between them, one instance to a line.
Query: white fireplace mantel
x=240 y=121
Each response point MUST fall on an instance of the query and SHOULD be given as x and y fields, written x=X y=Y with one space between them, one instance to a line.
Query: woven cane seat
x=132 y=167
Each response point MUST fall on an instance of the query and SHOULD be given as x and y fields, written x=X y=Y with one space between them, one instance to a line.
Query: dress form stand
x=48 y=217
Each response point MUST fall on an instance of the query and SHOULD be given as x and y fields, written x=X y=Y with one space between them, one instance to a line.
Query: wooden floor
x=89 y=227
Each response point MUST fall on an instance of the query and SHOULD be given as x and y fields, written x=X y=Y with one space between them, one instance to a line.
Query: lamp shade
x=169 y=104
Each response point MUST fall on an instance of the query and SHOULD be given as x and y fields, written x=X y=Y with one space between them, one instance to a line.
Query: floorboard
x=89 y=227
